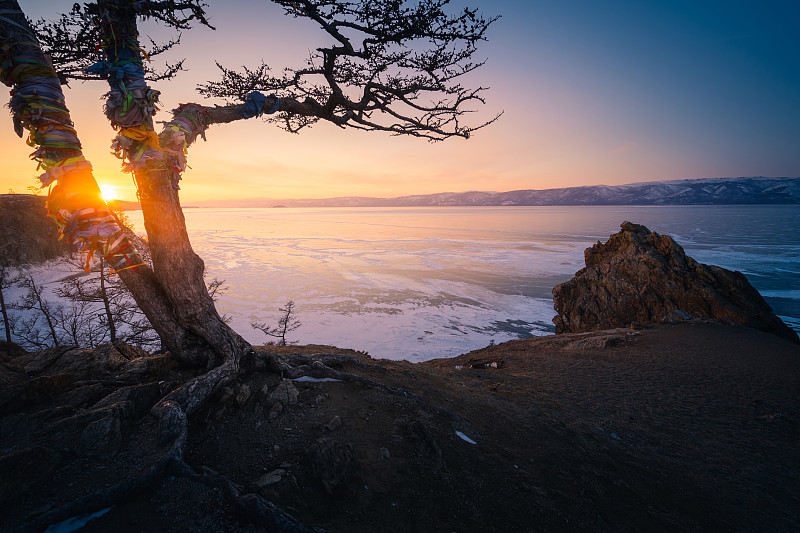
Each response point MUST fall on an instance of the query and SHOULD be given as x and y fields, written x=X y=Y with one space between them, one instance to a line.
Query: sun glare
x=109 y=193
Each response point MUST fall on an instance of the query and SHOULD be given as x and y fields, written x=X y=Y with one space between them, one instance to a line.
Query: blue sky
x=593 y=92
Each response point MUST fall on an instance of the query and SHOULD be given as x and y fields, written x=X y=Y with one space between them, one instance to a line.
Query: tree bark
x=179 y=271
x=200 y=334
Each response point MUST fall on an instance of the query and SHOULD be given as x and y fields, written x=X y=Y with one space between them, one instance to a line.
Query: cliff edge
x=641 y=276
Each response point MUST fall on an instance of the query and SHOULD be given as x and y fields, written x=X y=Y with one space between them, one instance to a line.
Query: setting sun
x=109 y=192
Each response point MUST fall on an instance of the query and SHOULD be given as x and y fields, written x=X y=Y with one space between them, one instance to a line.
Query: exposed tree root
x=172 y=412
x=194 y=393
x=315 y=366
x=178 y=427
x=333 y=360
x=173 y=428
x=284 y=364
x=252 y=506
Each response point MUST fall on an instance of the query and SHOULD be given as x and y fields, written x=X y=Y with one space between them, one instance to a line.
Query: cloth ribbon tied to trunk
x=76 y=206
x=74 y=202
x=254 y=105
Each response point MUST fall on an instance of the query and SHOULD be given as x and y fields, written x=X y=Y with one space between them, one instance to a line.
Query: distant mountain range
x=753 y=190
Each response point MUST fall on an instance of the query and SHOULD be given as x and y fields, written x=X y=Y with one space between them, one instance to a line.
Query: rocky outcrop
x=28 y=235
x=641 y=276
x=81 y=363
x=75 y=373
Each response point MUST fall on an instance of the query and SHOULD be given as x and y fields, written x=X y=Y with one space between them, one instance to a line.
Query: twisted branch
x=391 y=68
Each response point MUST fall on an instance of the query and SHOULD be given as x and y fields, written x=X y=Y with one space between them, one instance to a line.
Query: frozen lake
x=419 y=283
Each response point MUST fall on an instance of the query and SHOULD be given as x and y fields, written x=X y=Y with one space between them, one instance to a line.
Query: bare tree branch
x=72 y=39
x=286 y=324
x=393 y=66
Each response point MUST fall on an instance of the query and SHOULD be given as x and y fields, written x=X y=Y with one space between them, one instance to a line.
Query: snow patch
x=75 y=523
x=465 y=438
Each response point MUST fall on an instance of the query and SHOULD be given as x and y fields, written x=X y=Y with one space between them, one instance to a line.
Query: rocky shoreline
x=639 y=276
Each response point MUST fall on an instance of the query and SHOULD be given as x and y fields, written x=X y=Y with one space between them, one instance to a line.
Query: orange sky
x=581 y=108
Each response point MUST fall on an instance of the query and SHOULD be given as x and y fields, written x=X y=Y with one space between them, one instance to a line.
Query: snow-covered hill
x=754 y=190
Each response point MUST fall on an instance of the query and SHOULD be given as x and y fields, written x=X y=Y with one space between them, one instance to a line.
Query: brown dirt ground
x=694 y=426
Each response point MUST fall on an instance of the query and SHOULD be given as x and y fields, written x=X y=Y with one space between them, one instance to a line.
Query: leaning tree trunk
x=157 y=163
x=74 y=200
x=172 y=294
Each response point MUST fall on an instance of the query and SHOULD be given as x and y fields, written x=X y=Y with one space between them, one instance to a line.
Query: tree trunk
x=38 y=303
x=179 y=271
x=112 y=327
x=172 y=294
x=78 y=183
x=203 y=336
x=3 y=310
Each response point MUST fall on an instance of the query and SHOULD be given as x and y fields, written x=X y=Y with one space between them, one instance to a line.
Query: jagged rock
x=128 y=352
x=38 y=362
x=140 y=397
x=21 y=470
x=154 y=366
x=225 y=395
x=275 y=410
x=271 y=478
x=102 y=437
x=83 y=396
x=32 y=391
x=83 y=363
x=243 y=395
x=331 y=462
x=285 y=393
x=334 y=423
x=641 y=276
x=29 y=235
x=11 y=370
x=34 y=377
x=235 y=394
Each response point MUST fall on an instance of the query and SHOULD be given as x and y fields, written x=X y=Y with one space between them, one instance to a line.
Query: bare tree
x=29 y=332
x=106 y=299
x=393 y=66
x=7 y=280
x=286 y=324
x=77 y=325
x=42 y=322
x=93 y=310
x=105 y=311
x=91 y=290
x=215 y=288
x=390 y=65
